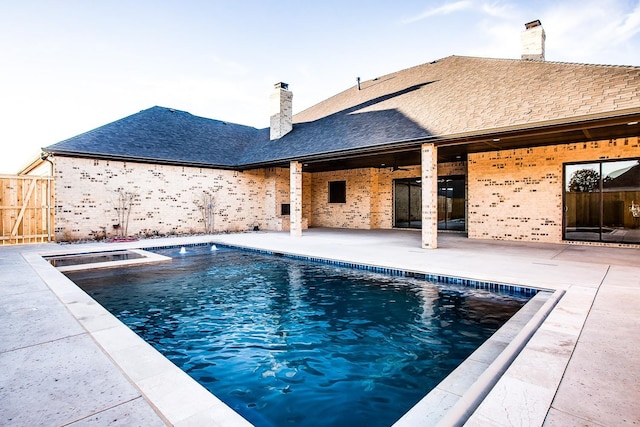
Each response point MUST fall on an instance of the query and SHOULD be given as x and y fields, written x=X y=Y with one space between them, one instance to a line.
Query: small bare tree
x=123 y=208
x=206 y=205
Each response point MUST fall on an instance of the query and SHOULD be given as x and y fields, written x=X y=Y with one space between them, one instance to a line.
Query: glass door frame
x=449 y=201
x=417 y=222
x=602 y=204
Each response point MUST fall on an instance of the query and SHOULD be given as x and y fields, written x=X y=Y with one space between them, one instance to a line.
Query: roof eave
x=585 y=122
x=148 y=160
x=554 y=126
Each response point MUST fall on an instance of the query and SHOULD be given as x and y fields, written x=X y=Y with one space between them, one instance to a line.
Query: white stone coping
x=456 y=397
x=146 y=257
x=177 y=397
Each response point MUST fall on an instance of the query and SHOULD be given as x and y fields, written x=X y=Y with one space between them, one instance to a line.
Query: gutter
x=149 y=160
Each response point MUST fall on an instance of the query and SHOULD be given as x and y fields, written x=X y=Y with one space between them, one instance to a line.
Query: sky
x=67 y=67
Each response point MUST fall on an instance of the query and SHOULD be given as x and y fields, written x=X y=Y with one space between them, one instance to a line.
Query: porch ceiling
x=457 y=148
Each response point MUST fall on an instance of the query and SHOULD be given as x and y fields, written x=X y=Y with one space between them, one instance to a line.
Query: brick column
x=295 y=199
x=429 y=196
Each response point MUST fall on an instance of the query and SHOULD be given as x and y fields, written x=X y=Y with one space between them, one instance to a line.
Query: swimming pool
x=290 y=342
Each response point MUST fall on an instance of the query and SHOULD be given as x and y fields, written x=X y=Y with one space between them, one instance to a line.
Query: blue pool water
x=287 y=342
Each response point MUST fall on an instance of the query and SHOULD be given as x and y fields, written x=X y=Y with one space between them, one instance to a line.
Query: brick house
x=524 y=150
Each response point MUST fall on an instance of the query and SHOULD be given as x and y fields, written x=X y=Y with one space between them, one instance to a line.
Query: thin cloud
x=628 y=26
x=445 y=9
x=499 y=10
x=581 y=34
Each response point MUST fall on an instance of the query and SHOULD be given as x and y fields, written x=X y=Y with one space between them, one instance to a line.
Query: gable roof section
x=163 y=135
x=465 y=94
x=455 y=97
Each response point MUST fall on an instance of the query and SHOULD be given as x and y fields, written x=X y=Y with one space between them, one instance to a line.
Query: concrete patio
x=66 y=361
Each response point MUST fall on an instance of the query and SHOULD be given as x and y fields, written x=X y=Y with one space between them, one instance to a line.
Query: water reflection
x=288 y=342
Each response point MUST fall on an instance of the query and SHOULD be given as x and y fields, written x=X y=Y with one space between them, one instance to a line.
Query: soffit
x=457 y=148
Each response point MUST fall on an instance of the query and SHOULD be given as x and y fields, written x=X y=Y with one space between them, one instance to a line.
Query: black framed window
x=338 y=192
x=285 y=209
x=602 y=201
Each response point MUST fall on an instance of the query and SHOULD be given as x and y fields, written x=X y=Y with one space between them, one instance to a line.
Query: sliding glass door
x=451 y=203
x=407 y=203
x=602 y=201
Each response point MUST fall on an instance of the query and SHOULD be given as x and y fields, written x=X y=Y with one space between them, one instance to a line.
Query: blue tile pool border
x=437 y=278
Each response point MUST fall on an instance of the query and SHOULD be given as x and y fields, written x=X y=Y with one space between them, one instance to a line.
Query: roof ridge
x=461 y=57
x=588 y=64
x=226 y=122
x=380 y=77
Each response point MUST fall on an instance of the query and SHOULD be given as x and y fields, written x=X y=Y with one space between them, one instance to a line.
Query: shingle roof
x=164 y=135
x=351 y=128
x=463 y=94
x=455 y=95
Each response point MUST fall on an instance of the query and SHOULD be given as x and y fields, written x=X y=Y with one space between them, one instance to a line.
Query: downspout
x=45 y=157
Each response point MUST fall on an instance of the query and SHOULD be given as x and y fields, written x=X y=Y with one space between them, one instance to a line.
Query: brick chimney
x=281 y=111
x=532 y=40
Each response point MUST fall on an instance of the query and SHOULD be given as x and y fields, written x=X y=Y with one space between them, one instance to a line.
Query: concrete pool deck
x=63 y=359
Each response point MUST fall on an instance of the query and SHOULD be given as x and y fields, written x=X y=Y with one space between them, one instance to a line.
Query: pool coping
x=182 y=401
x=178 y=398
x=456 y=397
x=146 y=258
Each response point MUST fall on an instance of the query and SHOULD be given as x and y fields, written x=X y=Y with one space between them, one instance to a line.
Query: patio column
x=429 y=196
x=295 y=199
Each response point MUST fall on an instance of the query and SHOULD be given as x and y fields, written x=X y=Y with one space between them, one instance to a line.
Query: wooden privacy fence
x=26 y=209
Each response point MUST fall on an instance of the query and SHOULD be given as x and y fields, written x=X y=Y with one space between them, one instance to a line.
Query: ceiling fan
x=398 y=168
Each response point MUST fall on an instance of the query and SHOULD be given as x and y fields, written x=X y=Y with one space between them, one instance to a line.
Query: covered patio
x=67 y=362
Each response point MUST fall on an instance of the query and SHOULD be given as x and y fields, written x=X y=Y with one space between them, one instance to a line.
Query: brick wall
x=164 y=202
x=517 y=194
x=369 y=195
x=355 y=213
x=276 y=193
x=306 y=199
x=452 y=168
x=512 y=194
